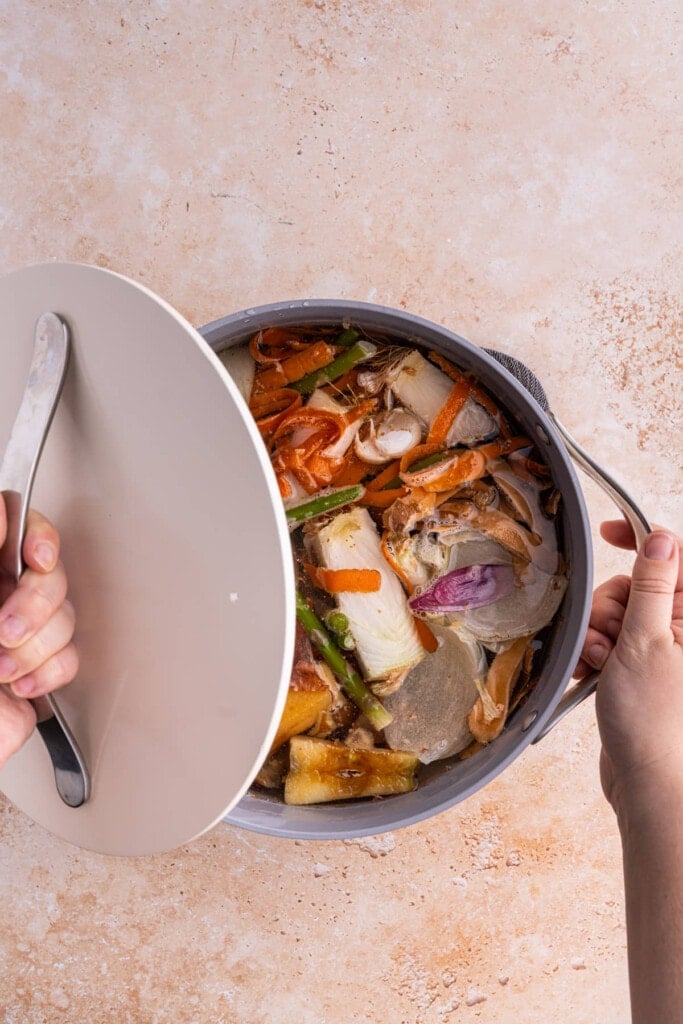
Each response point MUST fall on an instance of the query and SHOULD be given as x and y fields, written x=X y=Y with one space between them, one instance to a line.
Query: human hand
x=635 y=638
x=37 y=654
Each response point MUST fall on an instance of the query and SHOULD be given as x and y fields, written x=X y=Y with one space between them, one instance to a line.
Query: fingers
x=20 y=661
x=609 y=604
x=57 y=671
x=41 y=543
x=606 y=619
x=649 y=609
x=30 y=606
x=597 y=648
x=37 y=654
x=618 y=533
x=17 y=720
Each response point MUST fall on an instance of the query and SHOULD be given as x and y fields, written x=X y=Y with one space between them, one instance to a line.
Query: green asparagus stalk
x=297 y=514
x=344 y=362
x=347 y=337
x=351 y=682
x=338 y=625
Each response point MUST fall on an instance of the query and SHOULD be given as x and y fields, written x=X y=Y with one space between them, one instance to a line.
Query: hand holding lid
x=17 y=472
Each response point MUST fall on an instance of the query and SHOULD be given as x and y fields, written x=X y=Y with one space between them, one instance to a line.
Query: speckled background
x=508 y=169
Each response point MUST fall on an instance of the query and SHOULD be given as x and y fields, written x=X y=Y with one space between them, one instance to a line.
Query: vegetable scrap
x=424 y=531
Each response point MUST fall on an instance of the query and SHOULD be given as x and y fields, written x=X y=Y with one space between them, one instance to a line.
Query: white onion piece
x=239 y=363
x=531 y=606
x=421 y=387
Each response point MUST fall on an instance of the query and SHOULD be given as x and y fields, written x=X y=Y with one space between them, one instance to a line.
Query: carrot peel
x=338 y=581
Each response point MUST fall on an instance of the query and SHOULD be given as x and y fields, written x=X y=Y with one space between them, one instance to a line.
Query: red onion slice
x=473 y=586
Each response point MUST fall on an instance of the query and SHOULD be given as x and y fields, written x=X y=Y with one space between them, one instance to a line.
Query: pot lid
x=178 y=558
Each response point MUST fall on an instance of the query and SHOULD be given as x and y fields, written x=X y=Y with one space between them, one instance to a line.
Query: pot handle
x=571 y=699
x=624 y=502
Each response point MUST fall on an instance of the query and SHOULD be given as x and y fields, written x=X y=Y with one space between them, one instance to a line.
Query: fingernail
x=8 y=666
x=597 y=654
x=24 y=687
x=45 y=555
x=659 y=546
x=12 y=629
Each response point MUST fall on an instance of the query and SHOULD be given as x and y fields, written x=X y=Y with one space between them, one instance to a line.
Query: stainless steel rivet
x=529 y=720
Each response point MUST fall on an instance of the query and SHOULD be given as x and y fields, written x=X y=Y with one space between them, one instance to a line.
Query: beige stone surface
x=508 y=169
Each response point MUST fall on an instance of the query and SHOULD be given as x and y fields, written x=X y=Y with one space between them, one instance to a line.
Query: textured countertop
x=507 y=169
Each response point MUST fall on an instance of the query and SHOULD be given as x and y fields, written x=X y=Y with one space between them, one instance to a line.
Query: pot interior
x=445 y=783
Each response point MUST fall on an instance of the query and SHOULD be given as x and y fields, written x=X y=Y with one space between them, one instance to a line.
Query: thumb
x=653 y=582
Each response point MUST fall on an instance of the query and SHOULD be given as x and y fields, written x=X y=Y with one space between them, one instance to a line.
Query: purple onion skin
x=473 y=586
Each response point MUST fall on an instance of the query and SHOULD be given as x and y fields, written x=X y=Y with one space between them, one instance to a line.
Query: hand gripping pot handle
x=624 y=502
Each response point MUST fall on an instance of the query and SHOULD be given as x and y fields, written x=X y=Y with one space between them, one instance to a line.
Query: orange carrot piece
x=314 y=357
x=337 y=581
x=274 y=344
x=271 y=409
x=352 y=472
x=476 y=392
x=469 y=466
x=443 y=421
x=420 y=451
x=320 y=419
x=347 y=382
x=385 y=477
x=268 y=379
x=427 y=638
x=309 y=359
x=382 y=499
x=503 y=446
x=284 y=486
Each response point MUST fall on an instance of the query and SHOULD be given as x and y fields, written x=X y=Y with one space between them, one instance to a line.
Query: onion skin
x=473 y=586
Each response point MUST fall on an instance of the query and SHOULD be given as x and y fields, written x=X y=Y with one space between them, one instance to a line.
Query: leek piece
x=381 y=622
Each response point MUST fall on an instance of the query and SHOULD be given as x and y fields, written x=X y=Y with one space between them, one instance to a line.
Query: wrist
x=650 y=807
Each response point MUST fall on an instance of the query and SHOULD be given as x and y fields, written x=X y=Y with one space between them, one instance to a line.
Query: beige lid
x=178 y=559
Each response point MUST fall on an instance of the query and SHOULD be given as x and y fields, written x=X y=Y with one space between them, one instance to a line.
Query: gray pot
x=441 y=785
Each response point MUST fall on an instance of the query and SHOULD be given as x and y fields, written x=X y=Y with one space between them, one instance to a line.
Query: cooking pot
x=441 y=784
x=180 y=569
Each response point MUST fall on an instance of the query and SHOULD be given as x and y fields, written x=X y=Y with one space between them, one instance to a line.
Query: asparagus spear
x=351 y=682
x=323 y=503
x=347 y=337
x=345 y=361
x=338 y=625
